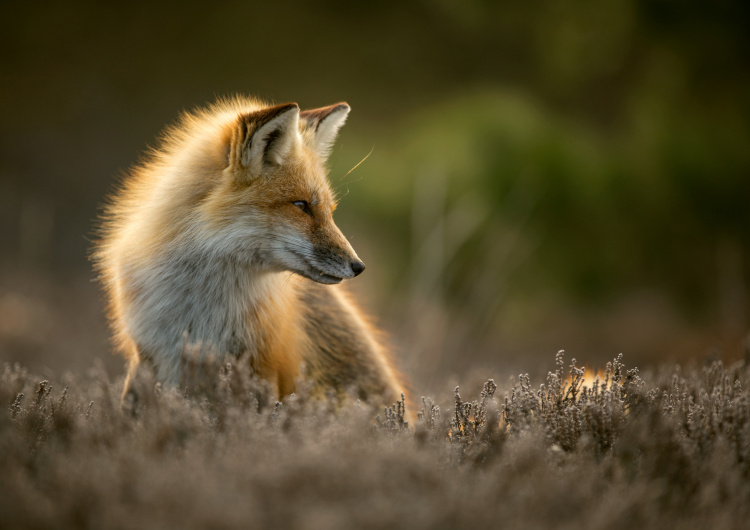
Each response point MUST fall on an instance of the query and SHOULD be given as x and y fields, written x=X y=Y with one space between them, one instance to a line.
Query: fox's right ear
x=323 y=125
x=264 y=138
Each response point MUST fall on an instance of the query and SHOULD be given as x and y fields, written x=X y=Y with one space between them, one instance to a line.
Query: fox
x=223 y=237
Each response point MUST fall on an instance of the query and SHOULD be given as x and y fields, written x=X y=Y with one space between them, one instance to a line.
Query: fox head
x=273 y=206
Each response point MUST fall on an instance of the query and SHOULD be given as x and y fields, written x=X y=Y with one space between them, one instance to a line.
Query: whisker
x=360 y=162
x=288 y=279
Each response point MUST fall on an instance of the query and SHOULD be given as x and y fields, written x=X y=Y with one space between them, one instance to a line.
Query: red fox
x=224 y=237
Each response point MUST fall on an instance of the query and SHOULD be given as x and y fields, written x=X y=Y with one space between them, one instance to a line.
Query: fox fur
x=224 y=238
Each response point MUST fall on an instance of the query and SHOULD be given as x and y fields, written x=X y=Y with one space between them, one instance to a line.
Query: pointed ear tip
x=271 y=112
x=289 y=110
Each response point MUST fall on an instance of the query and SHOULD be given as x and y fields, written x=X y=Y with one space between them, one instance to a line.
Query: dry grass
x=673 y=451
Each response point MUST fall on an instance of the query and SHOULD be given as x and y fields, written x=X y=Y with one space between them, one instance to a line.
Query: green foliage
x=596 y=214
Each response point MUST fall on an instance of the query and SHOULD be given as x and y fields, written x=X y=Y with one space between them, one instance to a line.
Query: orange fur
x=198 y=245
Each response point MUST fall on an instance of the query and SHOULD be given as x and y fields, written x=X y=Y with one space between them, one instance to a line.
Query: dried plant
x=615 y=452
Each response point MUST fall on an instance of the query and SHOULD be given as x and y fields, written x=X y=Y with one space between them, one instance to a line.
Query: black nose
x=357 y=267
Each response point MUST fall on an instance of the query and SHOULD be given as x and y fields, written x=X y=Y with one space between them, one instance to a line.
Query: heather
x=670 y=448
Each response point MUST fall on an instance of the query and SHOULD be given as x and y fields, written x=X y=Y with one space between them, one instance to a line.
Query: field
x=519 y=177
x=668 y=449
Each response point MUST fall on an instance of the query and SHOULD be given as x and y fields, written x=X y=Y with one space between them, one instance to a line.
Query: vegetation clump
x=671 y=449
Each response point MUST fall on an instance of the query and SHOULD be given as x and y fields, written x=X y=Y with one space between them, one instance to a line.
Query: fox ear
x=265 y=137
x=322 y=126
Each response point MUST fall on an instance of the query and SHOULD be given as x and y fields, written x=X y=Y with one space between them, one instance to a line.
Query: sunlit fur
x=204 y=245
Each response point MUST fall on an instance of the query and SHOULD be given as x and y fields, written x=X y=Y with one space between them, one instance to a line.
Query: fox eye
x=304 y=206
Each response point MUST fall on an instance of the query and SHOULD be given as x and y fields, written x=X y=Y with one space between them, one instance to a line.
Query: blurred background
x=543 y=175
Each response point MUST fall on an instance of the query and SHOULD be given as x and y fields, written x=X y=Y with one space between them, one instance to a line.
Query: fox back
x=224 y=238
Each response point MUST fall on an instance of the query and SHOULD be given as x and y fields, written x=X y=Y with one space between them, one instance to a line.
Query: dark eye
x=304 y=206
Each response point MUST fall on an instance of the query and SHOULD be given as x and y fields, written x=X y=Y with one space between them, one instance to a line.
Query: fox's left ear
x=321 y=126
x=263 y=139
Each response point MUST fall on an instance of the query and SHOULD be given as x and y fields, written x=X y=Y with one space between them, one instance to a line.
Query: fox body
x=224 y=238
